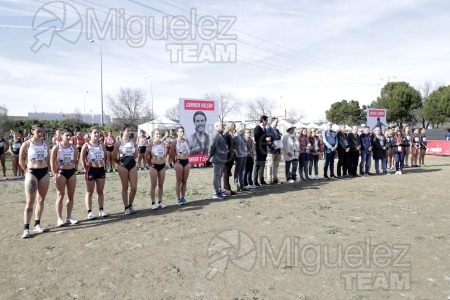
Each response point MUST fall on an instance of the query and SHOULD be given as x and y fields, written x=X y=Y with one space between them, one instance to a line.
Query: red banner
x=438 y=147
x=377 y=113
x=198 y=105
x=197 y=159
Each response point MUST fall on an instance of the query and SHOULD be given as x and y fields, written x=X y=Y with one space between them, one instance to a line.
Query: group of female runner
x=35 y=157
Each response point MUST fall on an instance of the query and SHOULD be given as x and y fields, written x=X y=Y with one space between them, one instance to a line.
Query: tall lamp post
x=84 y=107
x=151 y=94
x=101 y=74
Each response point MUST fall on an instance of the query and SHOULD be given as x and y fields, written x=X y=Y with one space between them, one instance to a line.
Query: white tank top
x=37 y=154
x=182 y=147
x=142 y=142
x=158 y=150
x=66 y=155
x=127 y=149
x=96 y=153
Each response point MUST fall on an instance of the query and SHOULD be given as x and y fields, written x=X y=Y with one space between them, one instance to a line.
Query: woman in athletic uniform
x=167 y=140
x=423 y=147
x=33 y=157
x=15 y=144
x=415 y=148
x=93 y=160
x=3 y=148
x=124 y=155
x=62 y=161
x=180 y=150
x=408 y=149
x=78 y=142
x=56 y=138
x=157 y=151
x=142 y=147
x=109 y=145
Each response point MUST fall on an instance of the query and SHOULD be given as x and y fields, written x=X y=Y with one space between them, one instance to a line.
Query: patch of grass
x=419 y=238
x=49 y=248
x=440 y=237
x=333 y=230
x=323 y=207
x=355 y=221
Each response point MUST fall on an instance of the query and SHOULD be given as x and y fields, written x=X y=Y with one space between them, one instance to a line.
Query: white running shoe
x=26 y=234
x=60 y=222
x=132 y=209
x=155 y=206
x=39 y=228
x=400 y=173
x=71 y=221
x=90 y=216
x=291 y=181
x=128 y=211
x=162 y=205
x=252 y=186
x=102 y=213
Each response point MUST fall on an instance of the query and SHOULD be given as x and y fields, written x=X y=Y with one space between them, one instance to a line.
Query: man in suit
x=331 y=142
x=261 y=143
x=355 y=146
x=217 y=154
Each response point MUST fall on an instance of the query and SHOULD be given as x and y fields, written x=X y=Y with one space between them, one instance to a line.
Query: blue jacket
x=366 y=141
x=330 y=139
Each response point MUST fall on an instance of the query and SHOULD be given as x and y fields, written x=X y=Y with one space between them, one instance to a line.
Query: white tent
x=160 y=123
x=323 y=126
x=299 y=125
x=312 y=125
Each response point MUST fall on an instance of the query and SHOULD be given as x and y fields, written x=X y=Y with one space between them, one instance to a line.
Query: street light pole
x=84 y=107
x=101 y=74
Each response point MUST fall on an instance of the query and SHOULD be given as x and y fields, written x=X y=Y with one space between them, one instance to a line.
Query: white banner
x=376 y=118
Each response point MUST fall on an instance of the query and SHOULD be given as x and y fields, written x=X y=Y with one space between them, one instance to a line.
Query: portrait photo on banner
x=376 y=118
x=198 y=117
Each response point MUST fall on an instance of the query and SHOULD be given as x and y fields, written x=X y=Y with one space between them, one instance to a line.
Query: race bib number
x=424 y=139
x=128 y=151
x=67 y=159
x=39 y=156
x=142 y=143
x=400 y=149
x=16 y=146
x=96 y=156
x=110 y=142
x=161 y=153
x=183 y=149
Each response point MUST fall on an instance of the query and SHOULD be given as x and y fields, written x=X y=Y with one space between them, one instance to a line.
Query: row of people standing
x=36 y=158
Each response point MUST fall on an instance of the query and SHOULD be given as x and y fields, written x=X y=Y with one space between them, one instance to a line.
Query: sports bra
x=37 y=154
x=110 y=141
x=96 y=155
x=142 y=142
x=65 y=155
x=182 y=147
x=158 y=150
x=126 y=149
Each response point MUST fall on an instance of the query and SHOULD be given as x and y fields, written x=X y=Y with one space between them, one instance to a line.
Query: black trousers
x=343 y=163
x=353 y=166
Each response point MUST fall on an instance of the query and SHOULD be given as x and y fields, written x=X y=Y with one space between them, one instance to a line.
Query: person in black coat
x=379 y=150
x=343 y=150
x=355 y=146
x=228 y=134
x=261 y=143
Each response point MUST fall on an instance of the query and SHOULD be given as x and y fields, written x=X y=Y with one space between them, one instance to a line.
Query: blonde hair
x=241 y=128
x=229 y=127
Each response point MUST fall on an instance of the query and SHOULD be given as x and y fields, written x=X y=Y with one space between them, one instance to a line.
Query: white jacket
x=290 y=146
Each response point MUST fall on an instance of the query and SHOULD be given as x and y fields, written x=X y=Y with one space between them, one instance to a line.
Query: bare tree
x=227 y=103
x=173 y=113
x=130 y=106
x=425 y=89
x=258 y=107
x=293 y=116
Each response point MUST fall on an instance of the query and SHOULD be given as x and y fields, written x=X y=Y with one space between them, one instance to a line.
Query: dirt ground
x=377 y=237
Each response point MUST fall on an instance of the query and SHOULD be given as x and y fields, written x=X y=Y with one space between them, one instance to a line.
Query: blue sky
x=310 y=53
